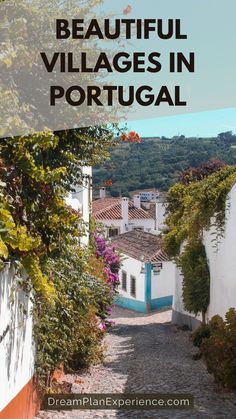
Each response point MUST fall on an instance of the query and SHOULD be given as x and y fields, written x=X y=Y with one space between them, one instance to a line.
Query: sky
x=201 y=124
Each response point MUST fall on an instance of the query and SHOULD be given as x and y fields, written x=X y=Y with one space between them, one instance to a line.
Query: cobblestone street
x=147 y=354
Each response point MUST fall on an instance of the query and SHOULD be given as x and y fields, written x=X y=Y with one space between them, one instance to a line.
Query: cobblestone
x=147 y=354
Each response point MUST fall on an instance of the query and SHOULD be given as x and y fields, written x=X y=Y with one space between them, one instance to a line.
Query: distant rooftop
x=110 y=209
x=141 y=245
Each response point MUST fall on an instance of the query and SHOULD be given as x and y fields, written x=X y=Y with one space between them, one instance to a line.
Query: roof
x=141 y=245
x=110 y=209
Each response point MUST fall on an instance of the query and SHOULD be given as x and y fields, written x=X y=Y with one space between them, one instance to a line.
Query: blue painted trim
x=148 y=282
x=130 y=304
x=161 y=302
x=141 y=306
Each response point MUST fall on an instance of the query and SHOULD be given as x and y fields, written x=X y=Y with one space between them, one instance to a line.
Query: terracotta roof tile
x=103 y=203
x=141 y=246
x=110 y=209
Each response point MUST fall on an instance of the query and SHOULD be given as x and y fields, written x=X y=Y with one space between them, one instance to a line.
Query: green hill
x=156 y=162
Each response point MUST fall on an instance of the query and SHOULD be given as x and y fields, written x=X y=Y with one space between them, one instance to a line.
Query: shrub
x=70 y=331
x=196 y=281
x=201 y=333
x=219 y=350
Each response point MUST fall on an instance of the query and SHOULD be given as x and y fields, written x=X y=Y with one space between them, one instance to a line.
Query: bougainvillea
x=111 y=259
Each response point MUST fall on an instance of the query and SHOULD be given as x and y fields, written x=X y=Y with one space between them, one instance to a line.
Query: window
x=124 y=281
x=113 y=232
x=133 y=286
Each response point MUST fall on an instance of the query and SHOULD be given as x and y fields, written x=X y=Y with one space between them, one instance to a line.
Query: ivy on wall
x=196 y=278
x=196 y=203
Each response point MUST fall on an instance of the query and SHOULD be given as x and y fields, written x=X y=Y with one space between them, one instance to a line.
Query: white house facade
x=119 y=215
x=147 y=276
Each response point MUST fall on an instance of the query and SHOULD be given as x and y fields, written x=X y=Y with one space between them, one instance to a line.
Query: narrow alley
x=145 y=353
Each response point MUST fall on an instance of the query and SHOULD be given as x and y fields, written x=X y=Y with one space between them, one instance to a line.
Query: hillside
x=156 y=162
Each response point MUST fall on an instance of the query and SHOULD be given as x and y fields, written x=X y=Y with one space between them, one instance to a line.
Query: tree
x=26 y=30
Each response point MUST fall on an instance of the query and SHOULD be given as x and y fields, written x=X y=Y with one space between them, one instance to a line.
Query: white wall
x=16 y=346
x=132 y=267
x=180 y=315
x=160 y=215
x=222 y=264
x=146 y=224
x=81 y=200
x=163 y=283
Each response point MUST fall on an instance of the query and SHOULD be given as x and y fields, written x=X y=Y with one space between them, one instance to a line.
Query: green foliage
x=68 y=331
x=26 y=29
x=196 y=281
x=38 y=230
x=201 y=333
x=39 y=281
x=196 y=206
x=37 y=172
x=41 y=233
x=219 y=350
x=157 y=163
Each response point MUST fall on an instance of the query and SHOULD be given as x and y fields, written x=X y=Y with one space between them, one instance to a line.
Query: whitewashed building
x=147 y=196
x=119 y=215
x=147 y=276
x=81 y=200
x=222 y=265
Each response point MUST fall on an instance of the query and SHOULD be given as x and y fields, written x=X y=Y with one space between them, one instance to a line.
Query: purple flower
x=111 y=261
x=109 y=310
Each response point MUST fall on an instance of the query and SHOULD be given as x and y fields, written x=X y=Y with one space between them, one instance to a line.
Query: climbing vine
x=40 y=234
x=196 y=278
x=37 y=172
x=69 y=332
x=196 y=203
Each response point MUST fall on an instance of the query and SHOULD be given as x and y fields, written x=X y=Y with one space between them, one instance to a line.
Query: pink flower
x=102 y=326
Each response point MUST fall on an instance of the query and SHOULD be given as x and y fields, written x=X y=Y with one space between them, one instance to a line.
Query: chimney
x=102 y=192
x=124 y=214
x=136 y=199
